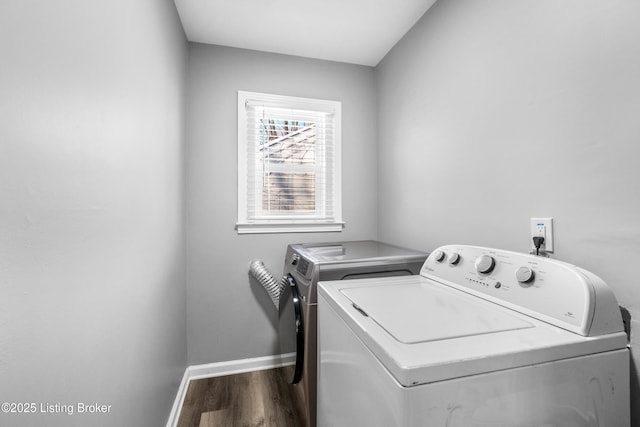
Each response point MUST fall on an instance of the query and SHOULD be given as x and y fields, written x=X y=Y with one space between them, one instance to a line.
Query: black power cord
x=538 y=241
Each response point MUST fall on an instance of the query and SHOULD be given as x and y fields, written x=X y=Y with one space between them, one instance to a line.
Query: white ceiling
x=353 y=31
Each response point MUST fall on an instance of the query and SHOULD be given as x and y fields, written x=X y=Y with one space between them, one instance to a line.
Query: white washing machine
x=482 y=337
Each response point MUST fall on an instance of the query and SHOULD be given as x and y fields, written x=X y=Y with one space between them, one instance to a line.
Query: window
x=288 y=164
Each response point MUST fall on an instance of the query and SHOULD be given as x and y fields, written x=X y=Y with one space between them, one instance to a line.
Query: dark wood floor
x=260 y=398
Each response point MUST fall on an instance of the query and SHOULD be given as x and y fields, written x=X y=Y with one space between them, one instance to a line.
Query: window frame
x=286 y=223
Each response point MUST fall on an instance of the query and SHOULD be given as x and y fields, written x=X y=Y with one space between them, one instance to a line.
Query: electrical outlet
x=542 y=227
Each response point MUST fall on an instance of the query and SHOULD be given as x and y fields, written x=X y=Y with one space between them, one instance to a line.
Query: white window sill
x=263 y=228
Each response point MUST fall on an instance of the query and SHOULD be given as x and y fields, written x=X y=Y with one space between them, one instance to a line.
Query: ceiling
x=352 y=31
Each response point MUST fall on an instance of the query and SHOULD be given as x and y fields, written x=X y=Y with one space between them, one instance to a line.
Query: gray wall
x=92 y=305
x=493 y=112
x=230 y=316
x=488 y=112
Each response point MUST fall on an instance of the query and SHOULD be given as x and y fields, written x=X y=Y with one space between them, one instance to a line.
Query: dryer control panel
x=549 y=290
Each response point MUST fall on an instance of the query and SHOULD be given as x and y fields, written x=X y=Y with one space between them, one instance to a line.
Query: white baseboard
x=210 y=370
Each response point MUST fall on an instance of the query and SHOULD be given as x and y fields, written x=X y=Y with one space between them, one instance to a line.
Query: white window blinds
x=288 y=164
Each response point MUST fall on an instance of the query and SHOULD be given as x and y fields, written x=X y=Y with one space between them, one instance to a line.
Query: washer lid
x=423 y=331
x=412 y=314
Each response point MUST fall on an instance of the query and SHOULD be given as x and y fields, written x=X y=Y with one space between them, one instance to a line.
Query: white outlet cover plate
x=548 y=238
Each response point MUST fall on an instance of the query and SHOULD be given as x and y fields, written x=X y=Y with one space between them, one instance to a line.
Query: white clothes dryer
x=481 y=338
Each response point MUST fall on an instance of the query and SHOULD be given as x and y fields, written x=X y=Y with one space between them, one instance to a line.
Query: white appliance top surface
x=424 y=331
x=418 y=312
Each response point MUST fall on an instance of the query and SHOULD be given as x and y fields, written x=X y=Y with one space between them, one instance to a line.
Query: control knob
x=294 y=259
x=485 y=264
x=454 y=258
x=524 y=275
x=438 y=255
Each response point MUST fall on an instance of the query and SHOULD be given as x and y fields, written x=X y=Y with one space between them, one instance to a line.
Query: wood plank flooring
x=259 y=398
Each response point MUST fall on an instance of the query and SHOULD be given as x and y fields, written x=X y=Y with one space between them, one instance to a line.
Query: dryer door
x=291 y=325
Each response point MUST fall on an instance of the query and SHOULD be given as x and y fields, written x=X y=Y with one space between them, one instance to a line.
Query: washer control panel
x=547 y=289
